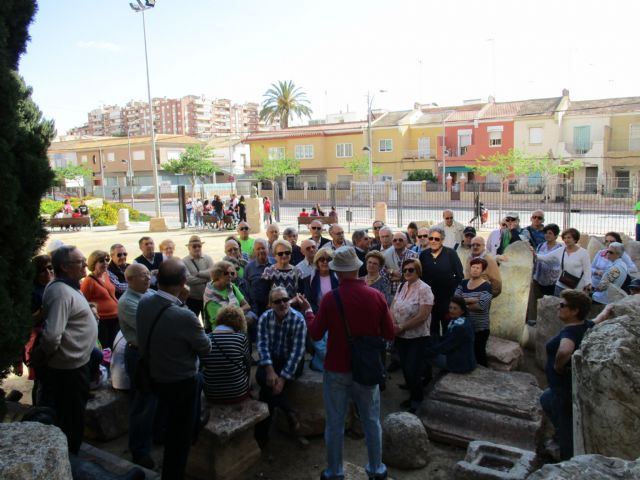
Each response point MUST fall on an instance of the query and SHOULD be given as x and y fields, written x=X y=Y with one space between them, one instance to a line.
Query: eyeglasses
x=377 y=228
x=284 y=254
x=244 y=229
x=409 y=270
x=232 y=249
x=435 y=239
x=398 y=240
x=509 y=219
x=423 y=236
x=609 y=252
x=120 y=255
x=316 y=228
x=280 y=301
x=448 y=218
x=537 y=217
x=103 y=260
x=469 y=235
x=324 y=259
x=195 y=245
x=226 y=274
x=233 y=274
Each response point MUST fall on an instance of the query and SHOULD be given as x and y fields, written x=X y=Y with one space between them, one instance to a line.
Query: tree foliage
x=359 y=167
x=421 y=176
x=71 y=172
x=273 y=169
x=24 y=139
x=282 y=101
x=195 y=161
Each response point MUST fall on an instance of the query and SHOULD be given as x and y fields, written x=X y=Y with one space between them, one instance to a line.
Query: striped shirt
x=479 y=318
x=227 y=367
x=289 y=279
x=282 y=340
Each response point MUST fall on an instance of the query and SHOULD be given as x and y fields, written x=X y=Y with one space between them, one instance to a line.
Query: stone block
x=107 y=414
x=509 y=310
x=499 y=407
x=306 y=398
x=404 y=441
x=606 y=376
x=92 y=463
x=632 y=248
x=226 y=448
x=503 y=354
x=489 y=461
x=594 y=246
x=34 y=451
x=547 y=326
x=123 y=219
x=255 y=215
x=589 y=467
x=158 y=224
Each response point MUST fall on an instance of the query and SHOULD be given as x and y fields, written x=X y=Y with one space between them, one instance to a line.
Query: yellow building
x=622 y=146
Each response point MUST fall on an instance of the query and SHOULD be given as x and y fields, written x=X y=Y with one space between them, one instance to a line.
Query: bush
x=108 y=214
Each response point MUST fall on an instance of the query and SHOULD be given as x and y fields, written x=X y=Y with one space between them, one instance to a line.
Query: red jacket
x=367 y=313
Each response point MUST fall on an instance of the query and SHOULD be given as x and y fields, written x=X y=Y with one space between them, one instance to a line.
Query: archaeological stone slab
x=499 y=407
x=589 y=467
x=503 y=354
x=107 y=414
x=547 y=326
x=305 y=397
x=490 y=461
x=404 y=441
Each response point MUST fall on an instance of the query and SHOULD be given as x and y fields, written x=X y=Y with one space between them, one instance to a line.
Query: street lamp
x=130 y=165
x=140 y=8
x=369 y=148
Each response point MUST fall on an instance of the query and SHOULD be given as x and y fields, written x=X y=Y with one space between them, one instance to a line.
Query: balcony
x=592 y=149
x=419 y=154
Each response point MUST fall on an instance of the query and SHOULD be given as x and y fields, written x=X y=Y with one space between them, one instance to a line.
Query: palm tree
x=282 y=101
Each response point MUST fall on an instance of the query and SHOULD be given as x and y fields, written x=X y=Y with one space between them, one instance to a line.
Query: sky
x=84 y=54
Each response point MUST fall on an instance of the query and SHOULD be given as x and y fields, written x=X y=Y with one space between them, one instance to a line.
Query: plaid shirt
x=393 y=261
x=282 y=339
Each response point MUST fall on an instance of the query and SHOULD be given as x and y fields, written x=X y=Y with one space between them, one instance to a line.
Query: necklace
x=374 y=280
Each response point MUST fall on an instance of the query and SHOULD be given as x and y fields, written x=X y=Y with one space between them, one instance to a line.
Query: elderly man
x=452 y=230
x=375 y=242
x=368 y=315
x=173 y=349
x=149 y=258
x=117 y=266
x=534 y=232
x=386 y=237
x=492 y=272
x=198 y=273
x=143 y=407
x=273 y=232
x=68 y=338
x=361 y=242
x=253 y=275
x=315 y=228
x=336 y=232
x=290 y=234
x=394 y=258
x=422 y=242
x=281 y=344
x=309 y=250
x=246 y=242
x=233 y=254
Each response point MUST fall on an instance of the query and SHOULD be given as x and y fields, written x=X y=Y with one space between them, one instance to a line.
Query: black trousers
x=195 y=305
x=67 y=392
x=180 y=399
x=107 y=331
x=440 y=313
x=480 y=346
x=411 y=351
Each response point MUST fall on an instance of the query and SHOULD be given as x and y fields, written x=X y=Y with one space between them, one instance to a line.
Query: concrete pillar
x=305 y=187
x=462 y=184
x=449 y=182
x=328 y=191
x=255 y=215
x=284 y=190
x=381 y=212
x=123 y=219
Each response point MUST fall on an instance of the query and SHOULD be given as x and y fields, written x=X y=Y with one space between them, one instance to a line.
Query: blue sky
x=87 y=53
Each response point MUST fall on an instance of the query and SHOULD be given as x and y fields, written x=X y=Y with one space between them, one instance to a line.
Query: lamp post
x=369 y=148
x=140 y=8
x=130 y=166
x=444 y=153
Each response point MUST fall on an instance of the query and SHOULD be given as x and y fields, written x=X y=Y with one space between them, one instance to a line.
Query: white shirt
x=576 y=263
x=452 y=234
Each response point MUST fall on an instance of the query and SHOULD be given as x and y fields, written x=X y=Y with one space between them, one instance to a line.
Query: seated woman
x=221 y=292
x=227 y=367
x=616 y=273
x=601 y=262
x=454 y=351
x=556 y=400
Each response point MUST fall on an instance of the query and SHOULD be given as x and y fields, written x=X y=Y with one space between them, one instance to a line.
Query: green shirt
x=638 y=213
x=246 y=246
x=211 y=308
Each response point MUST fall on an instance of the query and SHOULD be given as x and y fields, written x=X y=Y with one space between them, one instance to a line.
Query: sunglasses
x=423 y=236
x=435 y=239
x=409 y=270
x=244 y=229
x=196 y=245
x=377 y=228
x=103 y=260
x=324 y=259
x=232 y=249
x=398 y=240
x=316 y=228
x=120 y=255
x=448 y=218
x=509 y=219
x=226 y=274
x=537 y=217
x=284 y=254
x=280 y=301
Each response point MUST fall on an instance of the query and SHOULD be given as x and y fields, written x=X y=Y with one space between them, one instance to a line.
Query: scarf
x=212 y=294
x=237 y=262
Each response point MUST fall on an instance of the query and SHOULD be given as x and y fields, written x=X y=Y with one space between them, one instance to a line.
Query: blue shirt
x=574 y=333
x=283 y=340
x=127 y=308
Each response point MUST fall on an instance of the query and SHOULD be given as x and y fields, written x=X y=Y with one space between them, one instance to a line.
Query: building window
x=138 y=154
x=385 y=145
x=344 y=182
x=535 y=136
x=424 y=147
x=111 y=157
x=276 y=153
x=634 y=137
x=464 y=140
x=304 y=152
x=582 y=139
x=173 y=154
x=83 y=159
x=495 y=136
x=344 y=150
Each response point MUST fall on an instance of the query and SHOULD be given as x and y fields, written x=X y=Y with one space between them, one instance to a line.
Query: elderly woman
x=601 y=262
x=374 y=260
x=282 y=273
x=221 y=292
x=98 y=289
x=234 y=255
x=167 y=247
x=575 y=267
x=442 y=271
x=227 y=367
x=411 y=313
x=545 y=275
x=412 y=233
x=616 y=274
x=477 y=295
x=556 y=400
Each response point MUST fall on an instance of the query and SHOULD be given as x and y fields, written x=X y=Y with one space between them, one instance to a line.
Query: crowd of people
x=215 y=213
x=272 y=303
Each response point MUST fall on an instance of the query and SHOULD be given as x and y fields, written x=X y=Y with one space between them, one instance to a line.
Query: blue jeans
x=338 y=389
x=142 y=410
x=556 y=403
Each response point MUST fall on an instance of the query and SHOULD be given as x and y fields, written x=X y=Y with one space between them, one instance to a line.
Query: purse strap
x=338 y=299
x=562 y=264
x=244 y=368
x=153 y=326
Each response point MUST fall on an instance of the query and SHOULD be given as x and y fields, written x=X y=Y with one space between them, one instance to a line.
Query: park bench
x=308 y=220
x=75 y=223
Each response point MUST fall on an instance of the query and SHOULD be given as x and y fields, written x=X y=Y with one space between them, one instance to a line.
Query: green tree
x=421 y=176
x=195 y=161
x=359 y=167
x=24 y=139
x=71 y=172
x=282 y=101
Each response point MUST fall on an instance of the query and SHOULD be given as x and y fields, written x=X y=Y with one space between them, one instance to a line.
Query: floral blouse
x=406 y=305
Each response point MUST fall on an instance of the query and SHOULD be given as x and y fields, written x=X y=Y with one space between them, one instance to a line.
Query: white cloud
x=108 y=46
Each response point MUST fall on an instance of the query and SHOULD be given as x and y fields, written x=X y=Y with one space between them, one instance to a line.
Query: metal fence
x=607 y=206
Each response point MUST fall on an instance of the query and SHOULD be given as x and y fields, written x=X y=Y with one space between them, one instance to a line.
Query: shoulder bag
x=143 y=381
x=367 y=367
x=566 y=278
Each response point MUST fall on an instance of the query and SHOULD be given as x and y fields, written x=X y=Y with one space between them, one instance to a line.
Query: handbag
x=367 y=367
x=566 y=278
x=142 y=376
